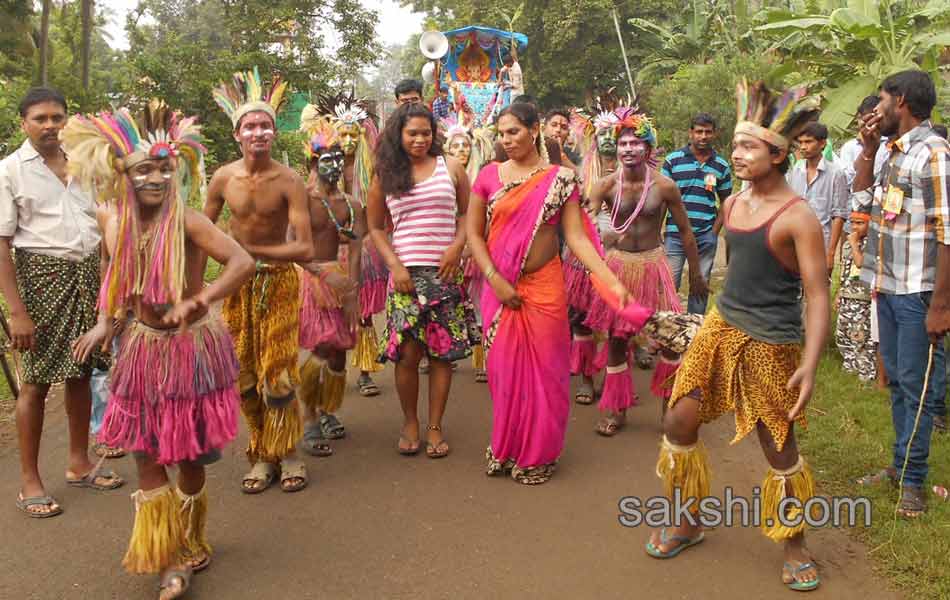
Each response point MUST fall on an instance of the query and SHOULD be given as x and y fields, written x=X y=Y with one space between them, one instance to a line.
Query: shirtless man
x=265 y=198
x=637 y=197
x=753 y=337
x=170 y=333
x=330 y=312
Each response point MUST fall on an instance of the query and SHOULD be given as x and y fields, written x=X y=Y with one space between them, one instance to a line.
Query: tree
x=87 y=11
x=44 y=42
x=180 y=49
x=849 y=50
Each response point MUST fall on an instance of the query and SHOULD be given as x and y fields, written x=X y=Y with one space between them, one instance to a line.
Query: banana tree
x=847 y=52
x=511 y=20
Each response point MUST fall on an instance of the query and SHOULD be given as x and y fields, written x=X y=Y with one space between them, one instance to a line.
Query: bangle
x=865 y=158
x=491 y=273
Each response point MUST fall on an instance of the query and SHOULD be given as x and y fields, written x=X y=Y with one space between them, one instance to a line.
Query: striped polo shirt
x=424 y=219
x=690 y=176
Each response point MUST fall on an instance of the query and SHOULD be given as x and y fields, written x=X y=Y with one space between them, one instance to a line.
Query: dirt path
x=377 y=525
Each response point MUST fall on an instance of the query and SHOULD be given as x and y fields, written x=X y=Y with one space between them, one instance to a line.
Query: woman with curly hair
x=428 y=314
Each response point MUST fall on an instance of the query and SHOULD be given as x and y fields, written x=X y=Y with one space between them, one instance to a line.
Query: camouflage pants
x=853 y=338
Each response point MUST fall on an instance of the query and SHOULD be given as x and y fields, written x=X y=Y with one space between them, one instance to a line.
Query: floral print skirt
x=439 y=315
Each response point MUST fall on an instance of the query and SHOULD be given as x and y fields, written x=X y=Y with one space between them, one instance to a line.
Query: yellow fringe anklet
x=157 y=535
x=366 y=351
x=478 y=357
x=282 y=430
x=332 y=389
x=310 y=382
x=796 y=482
x=683 y=467
x=194 y=518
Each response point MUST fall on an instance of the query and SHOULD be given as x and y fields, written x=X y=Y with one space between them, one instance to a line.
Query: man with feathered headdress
x=748 y=357
x=173 y=399
x=266 y=199
x=329 y=314
x=48 y=234
x=356 y=128
x=635 y=199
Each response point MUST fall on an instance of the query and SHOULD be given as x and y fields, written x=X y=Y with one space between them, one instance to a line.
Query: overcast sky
x=396 y=23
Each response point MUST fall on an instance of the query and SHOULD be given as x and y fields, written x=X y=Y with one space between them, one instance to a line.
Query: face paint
x=349 y=138
x=606 y=143
x=460 y=148
x=632 y=151
x=141 y=182
x=266 y=133
x=330 y=166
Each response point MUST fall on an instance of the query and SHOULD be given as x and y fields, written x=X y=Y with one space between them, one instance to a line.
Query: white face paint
x=264 y=133
x=139 y=181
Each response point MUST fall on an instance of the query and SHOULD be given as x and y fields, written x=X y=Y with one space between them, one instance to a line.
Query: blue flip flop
x=684 y=543
x=802 y=586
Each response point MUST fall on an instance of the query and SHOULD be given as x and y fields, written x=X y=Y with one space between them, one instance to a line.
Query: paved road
x=377 y=525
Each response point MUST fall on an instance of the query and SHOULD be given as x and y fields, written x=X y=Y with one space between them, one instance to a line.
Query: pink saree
x=528 y=349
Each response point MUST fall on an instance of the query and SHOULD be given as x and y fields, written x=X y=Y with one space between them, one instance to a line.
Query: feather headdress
x=102 y=150
x=347 y=110
x=245 y=93
x=772 y=118
x=321 y=133
x=453 y=127
x=641 y=125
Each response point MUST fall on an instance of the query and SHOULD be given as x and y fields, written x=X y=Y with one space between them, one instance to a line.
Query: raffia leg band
x=158 y=536
x=331 y=390
x=478 y=357
x=685 y=468
x=282 y=430
x=194 y=519
x=366 y=351
x=797 y=483
x=618 y=394
x=310 y=382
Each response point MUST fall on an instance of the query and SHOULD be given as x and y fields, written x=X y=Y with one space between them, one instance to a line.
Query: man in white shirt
x=822 y=183
x=49 y=276
x=852 y=148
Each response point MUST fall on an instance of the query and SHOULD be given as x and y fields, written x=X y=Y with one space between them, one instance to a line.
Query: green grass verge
x=850 y=434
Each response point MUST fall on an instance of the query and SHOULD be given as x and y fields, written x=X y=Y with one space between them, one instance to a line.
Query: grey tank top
x=762 y=297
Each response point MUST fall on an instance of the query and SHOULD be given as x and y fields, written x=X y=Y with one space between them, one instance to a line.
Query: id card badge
x=893 y=202
x=710 y=181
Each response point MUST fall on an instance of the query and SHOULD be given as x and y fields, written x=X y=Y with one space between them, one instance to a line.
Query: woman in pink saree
x=524 y=305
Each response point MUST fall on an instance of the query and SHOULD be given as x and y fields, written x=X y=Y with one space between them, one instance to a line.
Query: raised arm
x=864 y=164
x=671 y=194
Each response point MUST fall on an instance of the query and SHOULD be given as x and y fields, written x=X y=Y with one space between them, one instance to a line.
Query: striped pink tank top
x=424 y=219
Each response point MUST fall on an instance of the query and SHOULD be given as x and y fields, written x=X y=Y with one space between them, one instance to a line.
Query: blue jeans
x=707 y=243
x=904 y=348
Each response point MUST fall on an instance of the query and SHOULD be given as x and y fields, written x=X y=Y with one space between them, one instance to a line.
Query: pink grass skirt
x=647 y=277
x=173 y=395
x=322 y=322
